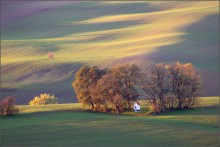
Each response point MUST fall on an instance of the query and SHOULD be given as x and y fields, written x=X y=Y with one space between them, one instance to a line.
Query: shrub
x=50 y=55
x=7 y=106
x=44 y=99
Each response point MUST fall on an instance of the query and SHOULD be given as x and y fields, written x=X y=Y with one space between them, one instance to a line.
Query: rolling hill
x=103 y=34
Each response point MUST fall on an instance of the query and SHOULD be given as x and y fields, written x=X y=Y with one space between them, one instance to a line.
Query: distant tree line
x=165 y=87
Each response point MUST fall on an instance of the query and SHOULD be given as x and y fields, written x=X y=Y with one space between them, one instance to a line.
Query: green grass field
x=71 y=125
x=103 y=34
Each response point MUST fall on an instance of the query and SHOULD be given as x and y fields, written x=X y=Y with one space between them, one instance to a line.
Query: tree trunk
x=180 y=105
x=129 y=104
x=92 y=105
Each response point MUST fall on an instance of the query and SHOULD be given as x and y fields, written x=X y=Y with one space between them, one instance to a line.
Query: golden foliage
x=44 y=99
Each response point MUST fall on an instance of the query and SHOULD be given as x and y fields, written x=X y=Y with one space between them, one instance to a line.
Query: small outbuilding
x=137 y=106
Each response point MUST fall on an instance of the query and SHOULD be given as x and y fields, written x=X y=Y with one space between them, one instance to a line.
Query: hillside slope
x=103 y=34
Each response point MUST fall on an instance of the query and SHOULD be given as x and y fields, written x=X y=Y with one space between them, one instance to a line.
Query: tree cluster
x=108 y=89
x=171 y=87
x=166 y=87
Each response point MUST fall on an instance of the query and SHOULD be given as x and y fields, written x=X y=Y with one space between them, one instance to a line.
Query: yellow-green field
x=71 y=125
x=103 y=34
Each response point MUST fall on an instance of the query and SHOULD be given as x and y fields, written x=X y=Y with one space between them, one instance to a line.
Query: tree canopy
x=166 y=87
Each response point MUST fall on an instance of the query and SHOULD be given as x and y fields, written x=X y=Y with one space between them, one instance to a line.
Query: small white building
x=137 y=106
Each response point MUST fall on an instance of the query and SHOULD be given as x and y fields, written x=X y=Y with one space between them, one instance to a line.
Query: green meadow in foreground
x=71 y=125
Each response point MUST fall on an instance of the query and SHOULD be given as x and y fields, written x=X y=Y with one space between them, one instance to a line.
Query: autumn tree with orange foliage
x=84 y=78
x=129 y=75
x=107 y=94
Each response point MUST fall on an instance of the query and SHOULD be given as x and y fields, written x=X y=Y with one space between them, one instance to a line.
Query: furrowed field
x=106 y=34
x=103 y=34
x=70 y=125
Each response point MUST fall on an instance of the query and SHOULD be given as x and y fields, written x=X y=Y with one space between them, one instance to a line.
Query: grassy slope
x=67 y=125
x=104 y=34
